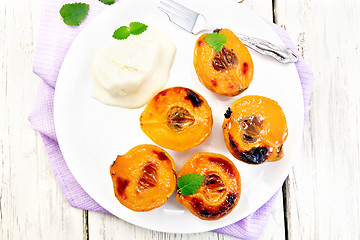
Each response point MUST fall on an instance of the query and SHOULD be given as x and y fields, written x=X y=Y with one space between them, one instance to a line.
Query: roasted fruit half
x=177 y=118
x=220 y=191
x=144 y=178
x=255 y=129
x=227 y=72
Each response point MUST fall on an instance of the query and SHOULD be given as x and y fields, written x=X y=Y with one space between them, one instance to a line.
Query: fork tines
x=179 y=14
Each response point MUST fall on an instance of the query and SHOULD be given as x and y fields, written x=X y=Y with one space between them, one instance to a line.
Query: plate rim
x=56 y=124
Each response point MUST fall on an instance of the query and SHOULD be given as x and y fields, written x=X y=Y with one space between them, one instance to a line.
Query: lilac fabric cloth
x=54 y=40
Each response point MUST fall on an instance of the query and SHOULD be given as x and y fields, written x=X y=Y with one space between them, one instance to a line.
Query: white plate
x=92 y=134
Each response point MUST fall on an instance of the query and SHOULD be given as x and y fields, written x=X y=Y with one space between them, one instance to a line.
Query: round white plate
x=92 y=134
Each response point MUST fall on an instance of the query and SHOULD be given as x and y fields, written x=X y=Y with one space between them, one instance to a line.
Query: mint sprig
x=216 y=40
x=134 y=28
x=137 y=28
x=121 y=33
x=188 y=184
x=74 y=13
x=107 y=2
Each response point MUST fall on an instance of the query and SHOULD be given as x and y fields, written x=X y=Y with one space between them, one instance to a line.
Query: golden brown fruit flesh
x=227 y=72
x=220 y=191
x=177 y=118
x=255 y=130
x=144 y=178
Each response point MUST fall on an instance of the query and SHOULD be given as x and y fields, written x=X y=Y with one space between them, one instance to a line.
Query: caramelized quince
x=144 y=178
x=177 y=118
x=227 y=72
x=220 y=191
x=255 y=129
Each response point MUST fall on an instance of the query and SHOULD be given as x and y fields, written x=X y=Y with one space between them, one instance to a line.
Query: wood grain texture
x=323 y=189
x=32 y=206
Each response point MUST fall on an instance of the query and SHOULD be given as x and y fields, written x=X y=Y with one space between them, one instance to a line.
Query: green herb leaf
x=121 y=33
x=188 y=184
x=134 y=28
x=74 y=13
x=137 y=28
x=216 y=40
x=108 y=2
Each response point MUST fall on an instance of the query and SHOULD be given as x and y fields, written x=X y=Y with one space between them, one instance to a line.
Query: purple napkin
x=54 y=40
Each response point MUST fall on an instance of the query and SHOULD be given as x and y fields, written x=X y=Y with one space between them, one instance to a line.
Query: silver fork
x=195 y=22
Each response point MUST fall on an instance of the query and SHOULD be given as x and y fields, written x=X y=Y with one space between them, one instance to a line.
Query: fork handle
x=280 y=53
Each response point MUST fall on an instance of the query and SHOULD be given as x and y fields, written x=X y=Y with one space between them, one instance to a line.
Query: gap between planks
x=285 y=207
x=285 y=184
x=86 y=224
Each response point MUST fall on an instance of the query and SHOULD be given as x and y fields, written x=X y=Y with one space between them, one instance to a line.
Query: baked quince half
x=255 y=129
x=227 y=72
x=177 y=118
x=144 y=178
x=220 y=190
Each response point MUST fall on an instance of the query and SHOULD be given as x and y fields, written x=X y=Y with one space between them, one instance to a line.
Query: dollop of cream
x=128 y=73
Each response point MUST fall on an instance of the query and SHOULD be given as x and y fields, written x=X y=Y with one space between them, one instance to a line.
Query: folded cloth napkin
x=54 y=40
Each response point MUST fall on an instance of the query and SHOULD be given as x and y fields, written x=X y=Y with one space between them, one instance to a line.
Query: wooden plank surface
x=323 y=190
x=321 y=195
x=31 y=204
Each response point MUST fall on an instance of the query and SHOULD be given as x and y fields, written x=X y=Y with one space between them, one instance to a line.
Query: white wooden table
x=320 y=198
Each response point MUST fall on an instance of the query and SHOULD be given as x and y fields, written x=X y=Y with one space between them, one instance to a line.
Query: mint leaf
x=134 y=28
x=216 y=40
x=74 y=13
x=121 y=33
x=137 y=28
x=108 y=2
x=189 y=183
